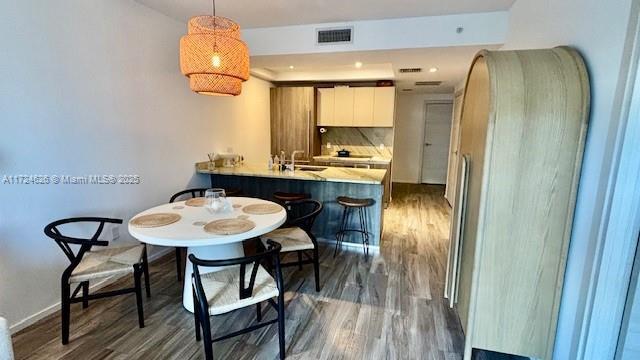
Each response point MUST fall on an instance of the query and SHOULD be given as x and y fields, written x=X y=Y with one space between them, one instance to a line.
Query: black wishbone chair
x=196 y=192
x=234 y=287
x=88 y=264
x=296 y=235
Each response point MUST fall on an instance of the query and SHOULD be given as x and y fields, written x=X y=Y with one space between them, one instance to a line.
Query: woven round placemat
x=198 y=201
x=229 y=226
x=155 y=220
x=262 y=209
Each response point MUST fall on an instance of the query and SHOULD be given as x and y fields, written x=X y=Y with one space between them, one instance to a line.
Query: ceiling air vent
x=428 y=83
x=410 y=70
x=335 y=35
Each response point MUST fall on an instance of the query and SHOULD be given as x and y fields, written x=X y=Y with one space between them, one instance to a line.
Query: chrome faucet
x=292 y=166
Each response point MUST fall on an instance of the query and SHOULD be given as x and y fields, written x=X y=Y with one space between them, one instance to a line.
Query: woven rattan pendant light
x=213 y=57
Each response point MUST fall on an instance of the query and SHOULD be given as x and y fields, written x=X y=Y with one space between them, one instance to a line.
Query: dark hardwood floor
x=390 y=307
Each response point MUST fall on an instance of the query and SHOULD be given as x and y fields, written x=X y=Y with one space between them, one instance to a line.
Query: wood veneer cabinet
x=293 y=121
x=523 y=126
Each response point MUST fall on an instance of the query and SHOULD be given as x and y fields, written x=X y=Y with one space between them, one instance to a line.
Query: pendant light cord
x=213 y=5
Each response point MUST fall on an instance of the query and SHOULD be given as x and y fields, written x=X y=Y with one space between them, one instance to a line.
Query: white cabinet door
x=363 y=106
x=326 y=107
x=384 y=101
x=343 y=115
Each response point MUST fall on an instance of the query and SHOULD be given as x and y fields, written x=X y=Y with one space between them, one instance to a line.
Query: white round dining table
x=189 y=232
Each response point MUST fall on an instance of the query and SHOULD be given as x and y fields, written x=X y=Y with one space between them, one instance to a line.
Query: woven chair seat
x=291 y=239
x=107 y=262
x=222 y=289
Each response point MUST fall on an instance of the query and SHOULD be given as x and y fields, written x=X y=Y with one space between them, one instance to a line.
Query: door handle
x=427 y=144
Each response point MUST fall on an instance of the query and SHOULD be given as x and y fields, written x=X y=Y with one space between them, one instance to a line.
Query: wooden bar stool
x=233 y=191
x=282 y=197
x=349 y=204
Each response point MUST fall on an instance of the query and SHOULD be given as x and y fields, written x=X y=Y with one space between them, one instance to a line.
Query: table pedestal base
x=214 y=252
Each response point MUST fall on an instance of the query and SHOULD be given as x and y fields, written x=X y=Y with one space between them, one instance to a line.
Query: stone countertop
x=333 y=174
x=374 y=160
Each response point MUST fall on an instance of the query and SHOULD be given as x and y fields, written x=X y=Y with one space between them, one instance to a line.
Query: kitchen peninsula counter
x=324 y=184
x=333 y=174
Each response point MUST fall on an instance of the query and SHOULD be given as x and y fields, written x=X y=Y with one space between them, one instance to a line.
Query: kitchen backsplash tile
x=359 y=141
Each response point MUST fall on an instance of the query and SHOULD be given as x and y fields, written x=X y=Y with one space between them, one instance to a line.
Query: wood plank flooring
x=390 y=307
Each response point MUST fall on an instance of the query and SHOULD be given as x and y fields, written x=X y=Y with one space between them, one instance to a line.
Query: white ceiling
x=253 y=13
x=452 y=64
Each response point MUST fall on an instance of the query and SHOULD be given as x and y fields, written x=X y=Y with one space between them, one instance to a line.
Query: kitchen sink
x=310 y=168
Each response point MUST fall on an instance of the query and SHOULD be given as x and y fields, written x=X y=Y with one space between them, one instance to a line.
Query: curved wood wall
x=524 y=120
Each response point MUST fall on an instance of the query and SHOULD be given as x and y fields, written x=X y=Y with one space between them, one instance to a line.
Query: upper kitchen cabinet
x=293 y=121
x=326 y=106
x=343 y=112
x=363 y=106
x=356 y=106
x=384 y=106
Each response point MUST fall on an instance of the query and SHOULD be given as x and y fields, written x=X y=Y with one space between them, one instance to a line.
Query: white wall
x=409 y=135
x=242 y=123
x=94 y=87
x=597 y=29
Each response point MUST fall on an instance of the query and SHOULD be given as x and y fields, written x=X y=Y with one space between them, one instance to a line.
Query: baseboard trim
x=32 y=319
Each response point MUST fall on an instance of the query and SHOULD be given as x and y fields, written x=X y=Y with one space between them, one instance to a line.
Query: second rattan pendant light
x=213 y=57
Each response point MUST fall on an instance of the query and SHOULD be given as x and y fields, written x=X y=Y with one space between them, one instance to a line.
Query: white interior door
x=435 y=153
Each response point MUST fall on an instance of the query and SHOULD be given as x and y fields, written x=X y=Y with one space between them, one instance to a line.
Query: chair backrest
x=195 y=192
x=6 y=349
x=271 y=255
x=63 y=241
x=303 y=213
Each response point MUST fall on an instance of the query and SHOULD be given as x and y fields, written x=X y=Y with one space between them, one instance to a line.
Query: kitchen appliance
x=343 y=153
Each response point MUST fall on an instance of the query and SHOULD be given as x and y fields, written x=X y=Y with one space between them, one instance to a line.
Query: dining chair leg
x=65 y=312
x=145 y=268
x=281 y=324
x=300 y=260
x=259 y=312
x=179 y=263
x=85 y=294
x=206 y=334
x=316 y=268
x=137 y=274
x=196 y=315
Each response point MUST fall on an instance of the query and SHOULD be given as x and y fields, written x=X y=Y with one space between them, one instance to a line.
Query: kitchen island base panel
x=214 y=252
x=328 y=222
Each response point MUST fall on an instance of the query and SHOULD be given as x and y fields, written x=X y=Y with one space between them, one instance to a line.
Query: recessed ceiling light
x=358 y=64
x=291 y=67
x=433 y=69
